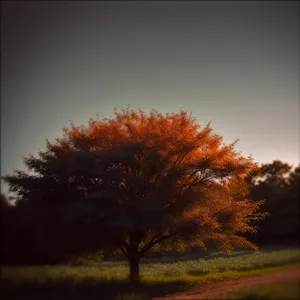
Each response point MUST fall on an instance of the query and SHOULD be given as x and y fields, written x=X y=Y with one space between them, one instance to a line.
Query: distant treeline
x=279 y=185
x=22 y=242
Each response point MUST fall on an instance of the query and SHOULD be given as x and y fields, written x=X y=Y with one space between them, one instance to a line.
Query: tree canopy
x=279 y=185
x=137 y=181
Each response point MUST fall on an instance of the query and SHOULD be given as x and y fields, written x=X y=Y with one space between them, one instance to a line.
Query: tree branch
x=154 y=242
x=123 y=250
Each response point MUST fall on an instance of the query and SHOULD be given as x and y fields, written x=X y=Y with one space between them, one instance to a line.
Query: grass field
x=287 y=290
x=160 y=276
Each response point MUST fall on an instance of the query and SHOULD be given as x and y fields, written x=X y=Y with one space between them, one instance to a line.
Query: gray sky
x=233 y=63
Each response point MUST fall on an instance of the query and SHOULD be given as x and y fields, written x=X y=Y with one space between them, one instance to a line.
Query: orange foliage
x=169 y=133
x=211 y=187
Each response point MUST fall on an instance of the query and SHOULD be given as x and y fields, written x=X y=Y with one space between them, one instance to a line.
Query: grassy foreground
x=107 y=279
x=287 y=290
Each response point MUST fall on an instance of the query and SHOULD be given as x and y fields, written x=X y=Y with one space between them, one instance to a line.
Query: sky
x=235 y=64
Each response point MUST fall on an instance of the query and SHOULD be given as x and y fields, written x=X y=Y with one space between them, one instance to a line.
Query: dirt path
x=218 y=289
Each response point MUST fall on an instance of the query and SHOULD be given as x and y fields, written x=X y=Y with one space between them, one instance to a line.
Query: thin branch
x=195 y=182
x=123 y=250
x=154 y=242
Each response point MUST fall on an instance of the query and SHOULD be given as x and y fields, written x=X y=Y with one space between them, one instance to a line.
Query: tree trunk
x=134 y=263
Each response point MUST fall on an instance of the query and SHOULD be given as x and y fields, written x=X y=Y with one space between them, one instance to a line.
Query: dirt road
x=219 y=289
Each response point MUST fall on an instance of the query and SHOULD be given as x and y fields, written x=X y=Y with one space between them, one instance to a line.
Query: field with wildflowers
x=106 y=280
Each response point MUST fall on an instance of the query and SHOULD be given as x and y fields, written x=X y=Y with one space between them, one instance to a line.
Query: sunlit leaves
x=150 y=179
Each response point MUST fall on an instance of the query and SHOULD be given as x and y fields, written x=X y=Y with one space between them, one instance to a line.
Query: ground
x=221 y=289
x=201 y=275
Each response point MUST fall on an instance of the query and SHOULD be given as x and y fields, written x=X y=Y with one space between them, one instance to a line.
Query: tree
x=294 y=178
x=279 y=186
x=138 y=181
x=4 y=202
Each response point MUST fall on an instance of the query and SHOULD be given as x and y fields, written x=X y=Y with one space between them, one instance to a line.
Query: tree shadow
x=88 y=289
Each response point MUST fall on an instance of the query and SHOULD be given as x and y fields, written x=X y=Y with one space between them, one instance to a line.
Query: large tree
x=137 y=181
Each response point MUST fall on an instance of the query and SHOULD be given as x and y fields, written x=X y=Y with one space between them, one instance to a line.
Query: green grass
x=284 y=290
x=106 y=280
